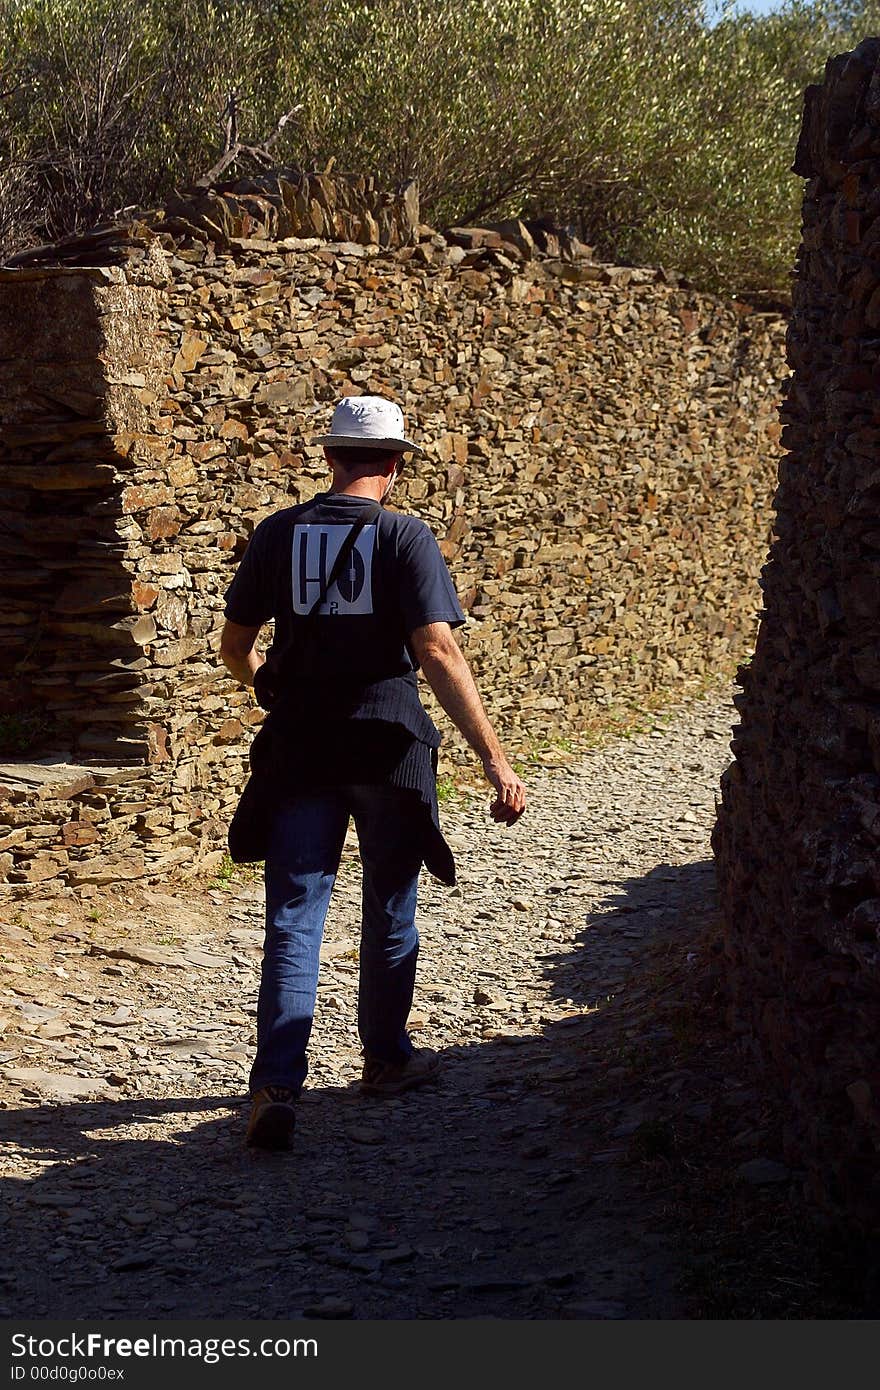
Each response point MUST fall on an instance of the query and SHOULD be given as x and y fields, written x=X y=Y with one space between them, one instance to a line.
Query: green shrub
x=658 y=136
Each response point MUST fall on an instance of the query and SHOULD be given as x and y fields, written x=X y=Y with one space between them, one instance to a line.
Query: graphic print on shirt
x=315 y=547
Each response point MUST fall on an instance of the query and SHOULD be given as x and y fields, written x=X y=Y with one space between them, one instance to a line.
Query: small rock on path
x=514 y=1188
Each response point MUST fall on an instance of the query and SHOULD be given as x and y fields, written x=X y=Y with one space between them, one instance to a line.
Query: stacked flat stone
x=271 y=207
x=798 y=832
x=601 y=453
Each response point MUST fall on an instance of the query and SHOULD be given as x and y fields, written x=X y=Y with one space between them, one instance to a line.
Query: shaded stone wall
x=601 y=456
x=798 y=833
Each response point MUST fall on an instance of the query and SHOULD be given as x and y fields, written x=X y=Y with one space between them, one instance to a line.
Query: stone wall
x=798 y=833
x=601 y=458
x=268 y=207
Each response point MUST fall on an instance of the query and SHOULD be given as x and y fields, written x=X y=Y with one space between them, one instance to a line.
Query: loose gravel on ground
x=521 y=1185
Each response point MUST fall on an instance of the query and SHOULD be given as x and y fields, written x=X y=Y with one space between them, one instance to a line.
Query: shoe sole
x=273 y=1129
x=396 y=1088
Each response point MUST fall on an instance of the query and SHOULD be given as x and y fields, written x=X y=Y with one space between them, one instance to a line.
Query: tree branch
x=234 y=149
x=231 y=113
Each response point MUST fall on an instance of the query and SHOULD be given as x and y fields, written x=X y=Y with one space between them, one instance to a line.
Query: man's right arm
x=450 y=678
x=239 y=652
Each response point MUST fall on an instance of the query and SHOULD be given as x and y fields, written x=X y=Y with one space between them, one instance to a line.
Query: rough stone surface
x=601 y=459
x=549 y=1172
x=798 y=830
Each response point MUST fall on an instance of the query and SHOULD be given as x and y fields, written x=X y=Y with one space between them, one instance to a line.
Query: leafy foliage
x=658 y=135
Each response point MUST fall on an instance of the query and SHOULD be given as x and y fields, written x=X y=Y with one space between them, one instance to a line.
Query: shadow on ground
x=591 y=1170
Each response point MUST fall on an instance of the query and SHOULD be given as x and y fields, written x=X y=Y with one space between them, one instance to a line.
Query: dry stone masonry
x=287 y=203
x=601 y=456
x=799 y=830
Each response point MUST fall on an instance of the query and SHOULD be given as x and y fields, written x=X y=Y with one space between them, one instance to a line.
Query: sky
x=754 y=6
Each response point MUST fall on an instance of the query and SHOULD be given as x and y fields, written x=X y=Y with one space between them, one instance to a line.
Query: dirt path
x=564 y=1165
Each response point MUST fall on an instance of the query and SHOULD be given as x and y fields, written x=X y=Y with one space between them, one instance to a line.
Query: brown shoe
x=390 y=1078
x=273 y=1117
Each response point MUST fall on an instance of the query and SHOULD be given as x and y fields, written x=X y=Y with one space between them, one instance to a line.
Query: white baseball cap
x=368 y=422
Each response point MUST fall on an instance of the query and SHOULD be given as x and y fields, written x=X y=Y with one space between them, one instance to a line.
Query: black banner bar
x=318 y=1352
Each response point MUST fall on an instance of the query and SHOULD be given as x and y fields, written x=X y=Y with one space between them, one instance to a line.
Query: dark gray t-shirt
x=358 y=687
x=396 y=580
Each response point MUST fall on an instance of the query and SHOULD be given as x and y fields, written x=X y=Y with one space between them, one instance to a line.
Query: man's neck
x=372 y=487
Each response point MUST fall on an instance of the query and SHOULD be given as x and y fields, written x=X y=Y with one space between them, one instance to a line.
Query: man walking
x=361 y=598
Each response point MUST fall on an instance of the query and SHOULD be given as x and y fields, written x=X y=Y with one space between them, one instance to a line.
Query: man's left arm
x=449 y=676
x=238 y=651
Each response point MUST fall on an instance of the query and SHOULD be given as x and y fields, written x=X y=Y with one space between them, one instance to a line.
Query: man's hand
x=510 y=801
x=450 y=678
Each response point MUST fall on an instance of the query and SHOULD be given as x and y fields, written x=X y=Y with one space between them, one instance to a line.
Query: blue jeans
x=304 y=851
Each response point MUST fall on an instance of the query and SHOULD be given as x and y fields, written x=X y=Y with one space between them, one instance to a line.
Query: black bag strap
x=272 y=674
x=371 y=513
x=339 y=563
